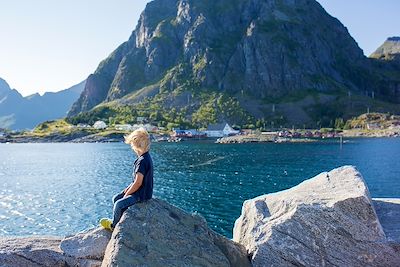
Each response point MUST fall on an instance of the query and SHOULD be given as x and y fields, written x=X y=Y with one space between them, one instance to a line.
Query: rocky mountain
x=282 y=61
x=389 y=50
x=18 y=112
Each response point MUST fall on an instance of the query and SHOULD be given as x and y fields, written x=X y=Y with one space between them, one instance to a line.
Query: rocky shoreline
x=373 y=134
x=259 y=138
x=110 y=137
x=328 y=220
x=153 y=233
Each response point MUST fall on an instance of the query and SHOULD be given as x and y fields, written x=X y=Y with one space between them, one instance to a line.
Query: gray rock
x=90 y=244
x=328 y=220
x=37 y=251
x=155 y=233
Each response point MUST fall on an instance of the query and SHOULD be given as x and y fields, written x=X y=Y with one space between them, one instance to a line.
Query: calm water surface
x=59 y=189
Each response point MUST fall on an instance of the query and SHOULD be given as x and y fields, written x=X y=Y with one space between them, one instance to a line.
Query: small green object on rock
x=106 y=224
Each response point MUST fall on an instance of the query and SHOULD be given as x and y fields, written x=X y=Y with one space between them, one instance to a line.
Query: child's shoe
x=106 y=223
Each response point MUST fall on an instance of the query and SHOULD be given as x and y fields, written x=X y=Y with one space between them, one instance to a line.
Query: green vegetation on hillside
x=374 y=120
x=57 y=127
x=208 y=107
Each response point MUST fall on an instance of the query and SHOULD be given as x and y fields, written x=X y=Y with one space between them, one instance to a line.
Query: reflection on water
x=58 y=189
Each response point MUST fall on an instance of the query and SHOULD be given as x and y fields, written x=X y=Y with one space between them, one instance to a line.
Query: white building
x=124 y=127
x=220 y=130
x=99 y=125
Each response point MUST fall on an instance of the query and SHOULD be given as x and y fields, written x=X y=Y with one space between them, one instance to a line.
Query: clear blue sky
x=49 y=45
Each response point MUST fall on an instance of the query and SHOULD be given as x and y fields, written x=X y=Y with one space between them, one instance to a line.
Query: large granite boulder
x=90 y=244
x=155 y=233
x=328 y=220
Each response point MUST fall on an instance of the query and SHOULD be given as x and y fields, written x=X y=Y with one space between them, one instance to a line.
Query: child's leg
x=118 y=197
x=120 y=206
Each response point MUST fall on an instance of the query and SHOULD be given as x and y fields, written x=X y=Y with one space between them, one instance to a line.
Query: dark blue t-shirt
x=144 y=165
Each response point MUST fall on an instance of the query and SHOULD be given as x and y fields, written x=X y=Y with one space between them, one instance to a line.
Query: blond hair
x=139 y=140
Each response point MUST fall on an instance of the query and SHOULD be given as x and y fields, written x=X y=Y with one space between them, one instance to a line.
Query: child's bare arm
x=135 y=185
x=126 y=189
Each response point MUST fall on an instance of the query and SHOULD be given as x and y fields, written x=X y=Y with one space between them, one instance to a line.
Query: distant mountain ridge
x=389 y=50
x=18 y=112
x=275 y=60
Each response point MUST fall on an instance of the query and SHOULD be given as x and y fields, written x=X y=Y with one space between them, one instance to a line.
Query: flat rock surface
x=328 y=220
x=31 y=251
x=38 y=251
x=155 y=233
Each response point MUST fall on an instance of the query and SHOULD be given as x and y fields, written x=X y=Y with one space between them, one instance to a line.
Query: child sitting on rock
x=142 y=186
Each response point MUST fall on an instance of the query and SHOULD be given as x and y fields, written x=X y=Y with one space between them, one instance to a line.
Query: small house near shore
x=123 y=127
x=220 y=130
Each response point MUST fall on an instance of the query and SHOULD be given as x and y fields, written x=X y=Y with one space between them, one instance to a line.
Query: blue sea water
x=60 y=189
